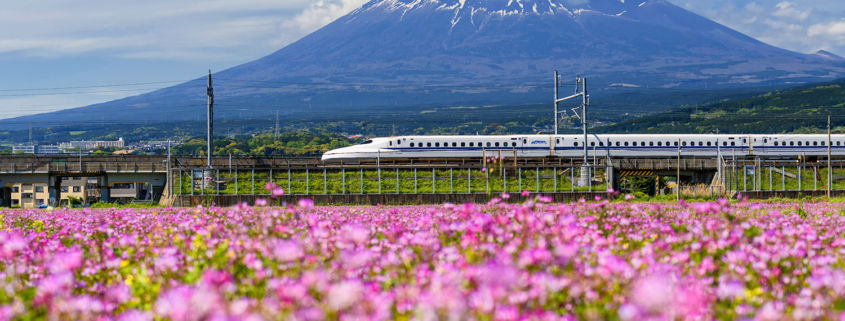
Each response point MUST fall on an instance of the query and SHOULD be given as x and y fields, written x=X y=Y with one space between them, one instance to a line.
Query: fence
x=390 y=180
x=773 y=177
x=700 y=191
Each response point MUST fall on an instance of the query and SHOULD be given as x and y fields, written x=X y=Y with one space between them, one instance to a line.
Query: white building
x=23 y=149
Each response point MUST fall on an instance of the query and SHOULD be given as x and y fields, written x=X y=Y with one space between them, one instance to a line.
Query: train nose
x=328 y=156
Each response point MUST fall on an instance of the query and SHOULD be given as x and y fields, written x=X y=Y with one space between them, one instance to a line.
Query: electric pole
x=277 y=125
x=829 y=169
x=210 y=93
x=580 y=91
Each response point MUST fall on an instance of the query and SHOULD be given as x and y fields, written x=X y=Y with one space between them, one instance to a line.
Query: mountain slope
x=803 y=109
x=412 y=52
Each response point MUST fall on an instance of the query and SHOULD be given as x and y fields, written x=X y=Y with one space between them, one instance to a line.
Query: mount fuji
x=412 y=52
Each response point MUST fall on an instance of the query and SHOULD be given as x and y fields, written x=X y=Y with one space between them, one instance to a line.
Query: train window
x=428 y=144
x=463 y=144
x=791 y=143
x=436 y=144
x=808 y=143
x=557 y=141
x=575 y=144
x=601 y=144
x=776 y=143
x=454 y=144
x=642 y=144
x=799 y=143
x=513 y=144
x=708 y=143
x=676 y=144
x=366 y=142
x=765 y=140
x=479 y=144
x=412 y=144
x=391 y=143
x=497 y=144
x=815 y=143
x=650 y=143
x=488 y=144
x=626 y=144
x=668 y=144
x=659 y=143
x=617 y=144
x=724 y=143
x=700 y=143
x=635 y=143
x=733 y=143
x=684 y=143
x=745 y=141
x=471 y=144
x=592 y=143
x=525 y=141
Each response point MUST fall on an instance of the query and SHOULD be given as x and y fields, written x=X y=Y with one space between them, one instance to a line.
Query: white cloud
x=786 y=9
x=830 y=29
x=755 y=8
x=212 y=30
x=321 y=13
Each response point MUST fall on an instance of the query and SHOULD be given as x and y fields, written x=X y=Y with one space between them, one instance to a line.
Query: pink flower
x=270 y=186
x=357 y=234
x=654 y=293
x=10 y=244
x=261 y=202
x=288 y=251
x=484 y=170
x=629 y=197
x=135 y=315
x=526 y=193
x=278 y=191
x=67 y=261
x=506 y=196
x=344 y=294
x=305 y=203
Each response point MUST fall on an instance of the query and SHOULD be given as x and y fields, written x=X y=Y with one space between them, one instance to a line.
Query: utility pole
x=580 y=91
x=277 y=125
x=829 y=170
x=678 y=179
x=210 y=93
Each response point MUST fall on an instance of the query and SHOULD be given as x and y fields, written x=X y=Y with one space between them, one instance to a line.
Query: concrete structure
x=31 y=195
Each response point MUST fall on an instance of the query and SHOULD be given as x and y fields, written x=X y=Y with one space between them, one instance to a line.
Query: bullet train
x=572 y=146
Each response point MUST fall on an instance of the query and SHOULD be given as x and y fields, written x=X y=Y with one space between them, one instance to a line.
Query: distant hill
x=802 y=110
x=391 y=53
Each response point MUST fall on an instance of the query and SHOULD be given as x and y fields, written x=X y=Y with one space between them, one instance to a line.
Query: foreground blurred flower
x=654 y=293
x=305 y=203
x=261 y=202
x=344 y=294
x=288 y=251
x=278 y=191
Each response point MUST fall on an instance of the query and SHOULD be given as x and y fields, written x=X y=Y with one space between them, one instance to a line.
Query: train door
x=524 y=149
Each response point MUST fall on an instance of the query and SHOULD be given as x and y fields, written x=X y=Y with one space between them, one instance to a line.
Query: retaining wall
x=374 y=199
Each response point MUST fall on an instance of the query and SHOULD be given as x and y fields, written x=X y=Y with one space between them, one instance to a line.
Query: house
x=30 y=195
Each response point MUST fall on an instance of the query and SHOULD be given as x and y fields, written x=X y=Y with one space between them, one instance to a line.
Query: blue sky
x=91 y=43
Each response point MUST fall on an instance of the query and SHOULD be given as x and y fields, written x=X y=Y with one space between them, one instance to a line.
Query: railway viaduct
x=159 y=170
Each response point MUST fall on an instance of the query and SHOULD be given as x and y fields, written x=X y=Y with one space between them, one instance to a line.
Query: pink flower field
x=496 y=261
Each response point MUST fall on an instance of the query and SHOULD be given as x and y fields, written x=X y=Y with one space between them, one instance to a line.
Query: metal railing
x=746 y=176
x=106 y=167
x=392 y=180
